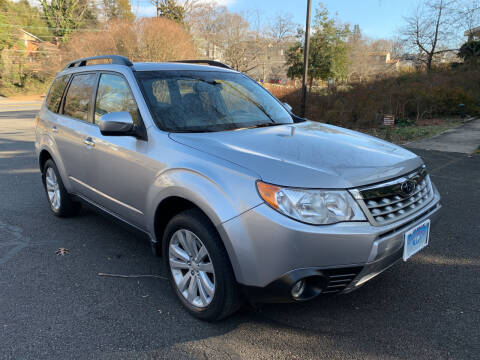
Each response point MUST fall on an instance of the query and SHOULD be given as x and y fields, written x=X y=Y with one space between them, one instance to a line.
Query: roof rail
x=208 y=62
x=116 y=59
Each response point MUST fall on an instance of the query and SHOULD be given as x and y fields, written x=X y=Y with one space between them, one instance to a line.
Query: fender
x=47 y=144
x=200 y=190
x=218 y=204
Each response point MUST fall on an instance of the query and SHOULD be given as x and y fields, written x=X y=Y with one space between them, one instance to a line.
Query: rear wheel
x=198 y=267
x=59 y=199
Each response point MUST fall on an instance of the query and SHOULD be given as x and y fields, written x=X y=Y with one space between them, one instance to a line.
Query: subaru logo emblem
x=407 y=187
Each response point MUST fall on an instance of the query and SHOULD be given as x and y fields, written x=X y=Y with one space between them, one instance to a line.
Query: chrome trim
x=106 y=196
x=115 y=215
x=419 y=174
x=393 y=188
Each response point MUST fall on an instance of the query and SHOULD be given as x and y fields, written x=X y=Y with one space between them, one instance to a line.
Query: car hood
x=307 y=154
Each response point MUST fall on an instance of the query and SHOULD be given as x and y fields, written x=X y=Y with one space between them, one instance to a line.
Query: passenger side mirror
x=116 y=123
x=287 y=106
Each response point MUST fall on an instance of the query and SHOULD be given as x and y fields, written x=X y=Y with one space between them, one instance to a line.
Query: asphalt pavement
x=58 y=307
x=464 y=139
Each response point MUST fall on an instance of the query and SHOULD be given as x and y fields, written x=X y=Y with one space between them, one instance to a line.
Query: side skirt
x=119 y=220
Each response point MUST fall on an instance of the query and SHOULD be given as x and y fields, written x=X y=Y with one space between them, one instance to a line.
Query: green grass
x=32 y=86
x=404 y=134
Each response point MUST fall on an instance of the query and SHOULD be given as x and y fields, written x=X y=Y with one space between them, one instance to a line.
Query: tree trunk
x=429 y=62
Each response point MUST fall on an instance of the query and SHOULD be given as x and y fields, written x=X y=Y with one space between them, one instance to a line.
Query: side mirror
x=287 y=106
x=116 y=123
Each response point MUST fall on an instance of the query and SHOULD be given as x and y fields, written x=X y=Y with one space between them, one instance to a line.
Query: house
x=473 y=34
x=268 y=60
x=31 y=42
x=380 y=63
x=27 y=51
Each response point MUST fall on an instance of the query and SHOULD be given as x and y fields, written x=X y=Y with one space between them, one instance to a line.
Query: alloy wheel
x=192 y=268
x=53 y=189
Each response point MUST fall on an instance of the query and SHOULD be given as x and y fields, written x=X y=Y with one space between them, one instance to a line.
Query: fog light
x=298 y=288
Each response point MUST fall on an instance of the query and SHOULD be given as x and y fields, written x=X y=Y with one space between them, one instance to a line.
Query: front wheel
x=198 y=267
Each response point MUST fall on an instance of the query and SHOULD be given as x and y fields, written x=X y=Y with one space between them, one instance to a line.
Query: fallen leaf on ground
x=62 y=251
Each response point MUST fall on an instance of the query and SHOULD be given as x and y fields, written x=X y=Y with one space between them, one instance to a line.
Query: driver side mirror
x=116 y=124
x=287 y=106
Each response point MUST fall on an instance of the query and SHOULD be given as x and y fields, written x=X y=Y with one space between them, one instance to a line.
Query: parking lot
x=54 y=306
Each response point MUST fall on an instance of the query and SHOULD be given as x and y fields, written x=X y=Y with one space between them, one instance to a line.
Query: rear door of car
x=50 y=122
x=75 y=123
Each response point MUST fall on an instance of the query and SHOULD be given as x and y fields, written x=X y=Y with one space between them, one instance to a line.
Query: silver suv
x=243 y=199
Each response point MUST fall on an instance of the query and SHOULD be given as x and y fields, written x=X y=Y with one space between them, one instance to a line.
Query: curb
x=470 y=118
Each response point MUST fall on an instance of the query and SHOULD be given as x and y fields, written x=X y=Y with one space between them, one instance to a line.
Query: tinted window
x=209 y=101
x=79 y=95
x=56 y=91
x=114 y=95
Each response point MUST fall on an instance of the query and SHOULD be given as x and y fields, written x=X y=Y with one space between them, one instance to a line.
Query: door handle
x=89 y=142
x=54 y=129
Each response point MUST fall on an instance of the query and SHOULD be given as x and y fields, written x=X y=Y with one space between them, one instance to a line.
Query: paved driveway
x=464 y=139
x=57 y=307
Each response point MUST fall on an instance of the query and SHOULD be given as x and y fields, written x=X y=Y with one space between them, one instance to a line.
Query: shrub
x=146 y=39
x=411 y=97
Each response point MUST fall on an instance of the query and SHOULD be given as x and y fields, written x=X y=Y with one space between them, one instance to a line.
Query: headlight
x=318 y=207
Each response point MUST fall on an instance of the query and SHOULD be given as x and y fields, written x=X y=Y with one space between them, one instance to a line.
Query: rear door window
x=79 y=95
x=56 y=91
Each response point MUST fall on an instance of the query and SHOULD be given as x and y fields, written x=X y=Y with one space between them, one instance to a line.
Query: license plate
x=416 y=239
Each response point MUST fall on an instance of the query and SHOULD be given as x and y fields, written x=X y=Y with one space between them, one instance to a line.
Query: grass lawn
x=404 y=134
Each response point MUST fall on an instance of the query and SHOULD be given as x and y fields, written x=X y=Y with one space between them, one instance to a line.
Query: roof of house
x=474 y=31
x=31 y=35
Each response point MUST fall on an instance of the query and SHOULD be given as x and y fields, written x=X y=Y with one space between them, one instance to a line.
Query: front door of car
x=120 y=175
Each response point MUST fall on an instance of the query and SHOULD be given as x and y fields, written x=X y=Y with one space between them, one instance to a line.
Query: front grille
x=388 y=202
x=339 y=279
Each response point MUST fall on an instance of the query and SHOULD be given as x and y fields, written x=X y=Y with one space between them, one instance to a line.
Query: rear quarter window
x=56 y=91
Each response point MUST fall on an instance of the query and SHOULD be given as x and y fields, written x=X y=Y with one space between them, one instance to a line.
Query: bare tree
x=469 y=15
x=282 y=27
x=242 y=50
x=430 y=29
x=393 y=46
x=207 y=23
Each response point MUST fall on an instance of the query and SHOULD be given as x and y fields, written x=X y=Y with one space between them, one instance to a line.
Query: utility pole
x=306 y=50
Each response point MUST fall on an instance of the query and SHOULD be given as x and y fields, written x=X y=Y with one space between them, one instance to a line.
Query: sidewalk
x=19 y=104
x=463 y=139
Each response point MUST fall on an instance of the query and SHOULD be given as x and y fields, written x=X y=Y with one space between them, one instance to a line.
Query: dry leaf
x=62 y=251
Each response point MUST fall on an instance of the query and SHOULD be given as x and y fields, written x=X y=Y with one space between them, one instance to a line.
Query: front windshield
x=198 y=101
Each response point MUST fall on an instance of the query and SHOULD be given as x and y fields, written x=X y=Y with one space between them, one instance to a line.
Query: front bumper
x=270 y=252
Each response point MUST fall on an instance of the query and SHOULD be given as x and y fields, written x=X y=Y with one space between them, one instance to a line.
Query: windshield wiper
x=264 y=125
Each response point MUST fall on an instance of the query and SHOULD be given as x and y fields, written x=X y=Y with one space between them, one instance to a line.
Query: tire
x=226 y=296
x=61 y=202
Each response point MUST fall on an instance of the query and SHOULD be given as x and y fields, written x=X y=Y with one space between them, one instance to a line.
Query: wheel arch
x=43 y=157
x=47 y=151
x=165 y=211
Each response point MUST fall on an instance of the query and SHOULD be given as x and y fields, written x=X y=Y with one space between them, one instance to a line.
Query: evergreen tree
x=328 y=57
x=117 y=9
x=170 y=9
x=64 y=16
